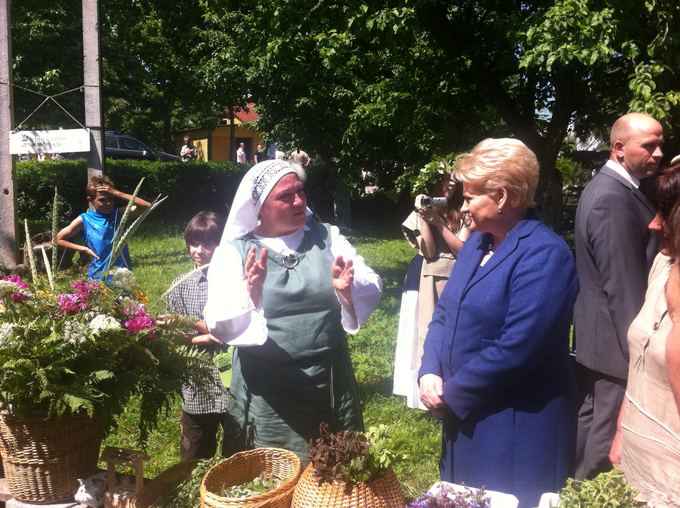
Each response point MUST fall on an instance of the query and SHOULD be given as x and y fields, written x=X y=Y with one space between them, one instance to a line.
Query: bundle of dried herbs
x=351 y=456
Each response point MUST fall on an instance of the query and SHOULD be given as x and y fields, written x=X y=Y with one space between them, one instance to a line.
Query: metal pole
x=92 y=78
x=8 y=227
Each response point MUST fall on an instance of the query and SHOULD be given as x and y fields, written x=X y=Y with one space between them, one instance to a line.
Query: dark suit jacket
x=614 y=251
x=499 y=338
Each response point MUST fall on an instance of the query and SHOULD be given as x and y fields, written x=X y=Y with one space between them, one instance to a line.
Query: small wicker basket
x=243 y=467
x=383 y=492
x=44 y=457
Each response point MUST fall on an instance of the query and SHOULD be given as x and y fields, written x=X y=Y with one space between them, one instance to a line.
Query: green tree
x=150 y=75
x=47 y=58
x=636 y=43
x=386 y=85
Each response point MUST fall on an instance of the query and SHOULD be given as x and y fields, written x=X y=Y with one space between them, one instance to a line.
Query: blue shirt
x=98 y=232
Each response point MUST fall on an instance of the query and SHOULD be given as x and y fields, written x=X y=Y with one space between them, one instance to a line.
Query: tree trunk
x=168 y=143
x=342 y=205
x=549 y=192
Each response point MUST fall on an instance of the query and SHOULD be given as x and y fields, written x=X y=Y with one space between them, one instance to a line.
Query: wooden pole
x=92 y=78
x=8 y=227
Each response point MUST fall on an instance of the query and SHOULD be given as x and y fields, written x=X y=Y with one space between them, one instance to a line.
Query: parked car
x=123 y=146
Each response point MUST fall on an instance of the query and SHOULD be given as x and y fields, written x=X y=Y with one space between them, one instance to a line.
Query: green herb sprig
x=606 y=490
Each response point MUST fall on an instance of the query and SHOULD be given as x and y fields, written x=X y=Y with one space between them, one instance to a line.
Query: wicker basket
x=163 y=484
x=384 y=492
x=43 y=458
x=243 y=467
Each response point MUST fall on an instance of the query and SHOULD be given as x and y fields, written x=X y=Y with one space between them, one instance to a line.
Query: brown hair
x=663 y=190
x=94 y=182
x=452 y=214
x=205 y=228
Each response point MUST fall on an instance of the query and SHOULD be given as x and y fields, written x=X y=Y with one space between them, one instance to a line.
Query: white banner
x=56 y=141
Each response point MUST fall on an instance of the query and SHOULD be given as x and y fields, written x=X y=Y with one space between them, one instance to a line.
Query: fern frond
x=101 y=375
x=77 y=404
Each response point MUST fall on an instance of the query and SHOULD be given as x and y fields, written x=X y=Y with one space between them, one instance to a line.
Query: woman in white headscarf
x=284 y=288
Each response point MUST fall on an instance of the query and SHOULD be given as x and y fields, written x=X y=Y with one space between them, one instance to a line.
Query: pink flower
x=19 y=297
x=139 y=320
x=71 y=303
x=86 y=288
x=16 y=280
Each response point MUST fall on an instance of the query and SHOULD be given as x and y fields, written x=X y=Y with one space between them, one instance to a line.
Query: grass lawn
x=159 y=256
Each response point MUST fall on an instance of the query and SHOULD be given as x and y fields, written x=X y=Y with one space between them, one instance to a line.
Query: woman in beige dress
x=438 y=232
x=647 y=442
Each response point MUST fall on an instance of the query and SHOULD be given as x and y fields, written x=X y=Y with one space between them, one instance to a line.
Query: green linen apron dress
x=302 y=375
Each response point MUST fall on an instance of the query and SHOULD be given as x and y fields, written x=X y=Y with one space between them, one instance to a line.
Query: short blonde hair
x=504 y=163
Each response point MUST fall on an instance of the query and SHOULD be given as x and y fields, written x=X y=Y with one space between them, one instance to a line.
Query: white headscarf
x=251 y=194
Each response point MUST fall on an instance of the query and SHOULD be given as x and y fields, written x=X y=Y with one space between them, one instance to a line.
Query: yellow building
x=213 y=144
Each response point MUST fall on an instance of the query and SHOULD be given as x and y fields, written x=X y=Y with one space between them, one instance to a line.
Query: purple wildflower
x=447 y=497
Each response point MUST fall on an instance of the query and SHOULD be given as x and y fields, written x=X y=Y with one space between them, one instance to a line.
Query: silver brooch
x=290 y=260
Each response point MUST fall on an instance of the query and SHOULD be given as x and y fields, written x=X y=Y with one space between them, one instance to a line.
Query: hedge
x=190 y=186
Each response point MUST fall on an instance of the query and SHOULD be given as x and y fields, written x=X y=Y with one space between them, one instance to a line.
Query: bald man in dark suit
x=614 y=251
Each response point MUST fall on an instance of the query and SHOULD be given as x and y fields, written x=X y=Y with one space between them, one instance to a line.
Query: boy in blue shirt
x=99 y=225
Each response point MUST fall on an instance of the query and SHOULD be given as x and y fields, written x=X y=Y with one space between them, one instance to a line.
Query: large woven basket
x=243 y=467
x=384 y=492
x=163 y=484
x=43 y=458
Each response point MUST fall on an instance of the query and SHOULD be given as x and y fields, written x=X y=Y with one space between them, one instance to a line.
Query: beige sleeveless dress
x=650 y=455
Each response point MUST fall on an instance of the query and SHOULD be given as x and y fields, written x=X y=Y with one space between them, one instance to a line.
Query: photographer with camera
x=437 y=229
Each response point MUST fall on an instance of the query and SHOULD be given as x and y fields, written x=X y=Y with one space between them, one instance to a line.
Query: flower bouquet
x=85 y=347
x=73 y=354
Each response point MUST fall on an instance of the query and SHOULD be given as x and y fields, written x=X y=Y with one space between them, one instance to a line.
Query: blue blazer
x=499 y=338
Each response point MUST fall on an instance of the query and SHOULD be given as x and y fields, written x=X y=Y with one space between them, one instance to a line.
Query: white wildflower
x=122 y=278
x=102 y=322
x=75 y=332
x=6 y=331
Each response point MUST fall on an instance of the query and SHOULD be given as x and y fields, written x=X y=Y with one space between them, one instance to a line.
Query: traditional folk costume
x=291 y=367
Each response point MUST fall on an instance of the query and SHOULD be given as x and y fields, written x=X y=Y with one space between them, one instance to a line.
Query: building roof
x=248 y=114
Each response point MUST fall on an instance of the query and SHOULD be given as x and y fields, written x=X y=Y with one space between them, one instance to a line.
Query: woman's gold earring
x=500 y=211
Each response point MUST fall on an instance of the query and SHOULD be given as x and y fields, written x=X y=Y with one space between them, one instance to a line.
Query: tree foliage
x=379 y=85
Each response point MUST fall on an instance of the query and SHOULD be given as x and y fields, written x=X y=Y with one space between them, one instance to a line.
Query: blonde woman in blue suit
x=496 y=361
